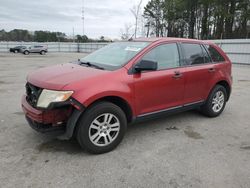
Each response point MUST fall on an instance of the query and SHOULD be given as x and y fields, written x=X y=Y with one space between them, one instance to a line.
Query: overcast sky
x=102 y=17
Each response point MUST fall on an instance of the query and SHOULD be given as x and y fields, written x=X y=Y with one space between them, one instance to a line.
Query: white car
x=35 y=49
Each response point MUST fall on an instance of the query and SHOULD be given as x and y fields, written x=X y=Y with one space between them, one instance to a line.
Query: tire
x=216 y=102
x=26 y=52
x=97 y=135
x=42 y=52
x=16 y=51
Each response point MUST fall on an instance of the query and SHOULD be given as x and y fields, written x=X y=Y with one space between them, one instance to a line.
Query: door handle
x=211 y=69
x=177 y=75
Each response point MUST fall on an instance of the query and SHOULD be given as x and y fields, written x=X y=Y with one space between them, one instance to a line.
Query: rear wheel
x=101 y=128
x=42 y=52
x=216 y=102
x=26 y=52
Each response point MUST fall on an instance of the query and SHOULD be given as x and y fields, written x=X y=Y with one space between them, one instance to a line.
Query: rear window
x=215 y=55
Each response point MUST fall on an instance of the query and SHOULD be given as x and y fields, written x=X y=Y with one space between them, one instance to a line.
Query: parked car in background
x=96 y=97
x=35 y=49
x=17 y=49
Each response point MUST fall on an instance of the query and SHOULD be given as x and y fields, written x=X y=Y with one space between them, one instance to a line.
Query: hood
x=58 y=76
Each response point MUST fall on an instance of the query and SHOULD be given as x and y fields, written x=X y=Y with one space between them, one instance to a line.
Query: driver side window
x=166 y=56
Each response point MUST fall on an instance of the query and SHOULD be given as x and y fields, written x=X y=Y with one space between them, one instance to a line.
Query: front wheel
x=216 y=102
x=26 y=52
x=101 y=128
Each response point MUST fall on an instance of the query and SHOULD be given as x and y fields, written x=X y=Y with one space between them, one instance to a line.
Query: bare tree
x=135 y=10
x=141 y=26
x=125 y=33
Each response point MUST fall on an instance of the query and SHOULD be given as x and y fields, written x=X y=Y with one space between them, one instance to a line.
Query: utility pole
x=83 y=17
x=73 y=34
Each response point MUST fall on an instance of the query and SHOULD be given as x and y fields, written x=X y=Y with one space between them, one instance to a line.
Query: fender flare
x=71 y=124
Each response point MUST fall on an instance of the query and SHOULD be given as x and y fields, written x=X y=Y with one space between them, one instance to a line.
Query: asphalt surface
x=183 y=150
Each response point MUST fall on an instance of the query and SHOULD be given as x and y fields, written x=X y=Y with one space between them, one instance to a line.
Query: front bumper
x=46 y=120
x=45 y=128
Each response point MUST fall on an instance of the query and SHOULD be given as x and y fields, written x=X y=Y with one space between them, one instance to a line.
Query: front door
x=161 y=89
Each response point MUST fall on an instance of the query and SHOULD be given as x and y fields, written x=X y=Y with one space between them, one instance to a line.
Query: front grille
x=33 y=93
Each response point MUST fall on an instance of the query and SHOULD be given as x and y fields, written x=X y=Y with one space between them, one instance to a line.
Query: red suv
x=97 y=96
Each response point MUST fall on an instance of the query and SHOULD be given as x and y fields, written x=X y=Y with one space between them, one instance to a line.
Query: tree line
x=44 y=36
x=202 y=19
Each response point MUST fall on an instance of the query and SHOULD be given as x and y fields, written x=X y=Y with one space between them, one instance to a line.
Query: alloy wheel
x=104 y=129
x=218 y=101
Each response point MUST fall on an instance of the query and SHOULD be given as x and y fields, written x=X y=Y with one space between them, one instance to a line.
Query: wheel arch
x=119 y=101
x=226 y=85
x=223 y=83
x=72 y=123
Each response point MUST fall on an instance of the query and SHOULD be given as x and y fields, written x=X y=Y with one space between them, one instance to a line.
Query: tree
x=43 y=36
x=204 y=22
x=125 y=33
x=102 y=38
x=153 y=12
x=205 y=19
x=175 y=18
x=136 y=11
x=229 y=19
x=83 y=38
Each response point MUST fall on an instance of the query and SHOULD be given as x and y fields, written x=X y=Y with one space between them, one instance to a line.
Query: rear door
x=163 y=88
x=198 y=72
x=37 y=49
x=32 y=49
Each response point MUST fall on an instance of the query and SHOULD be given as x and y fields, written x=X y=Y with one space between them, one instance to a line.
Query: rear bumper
x=46 y=120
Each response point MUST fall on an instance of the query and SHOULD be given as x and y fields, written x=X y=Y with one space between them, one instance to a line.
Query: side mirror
x=145 y=65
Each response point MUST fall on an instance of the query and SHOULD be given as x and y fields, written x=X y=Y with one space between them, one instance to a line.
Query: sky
x=102 y=17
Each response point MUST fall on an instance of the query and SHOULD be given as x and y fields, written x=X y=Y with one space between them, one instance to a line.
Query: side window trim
x=205 y=47
x=204 y=50
x=181 y=55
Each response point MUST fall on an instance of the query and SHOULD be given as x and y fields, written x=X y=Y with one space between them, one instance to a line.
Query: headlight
x=49 y=96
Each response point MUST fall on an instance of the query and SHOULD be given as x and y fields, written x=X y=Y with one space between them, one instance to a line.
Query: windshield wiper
x=90 y=65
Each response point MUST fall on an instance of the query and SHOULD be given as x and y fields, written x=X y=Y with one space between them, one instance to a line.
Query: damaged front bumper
x=62 y=118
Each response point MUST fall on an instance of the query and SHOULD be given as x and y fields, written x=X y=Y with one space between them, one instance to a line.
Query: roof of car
x=154 y=39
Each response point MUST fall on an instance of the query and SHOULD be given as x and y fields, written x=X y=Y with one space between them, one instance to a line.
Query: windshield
x=115 y=55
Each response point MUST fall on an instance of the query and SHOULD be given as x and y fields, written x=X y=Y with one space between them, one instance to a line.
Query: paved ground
x=199 y=152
